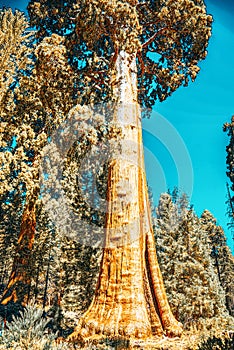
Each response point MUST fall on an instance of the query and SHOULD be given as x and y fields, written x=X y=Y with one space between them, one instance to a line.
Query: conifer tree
x=10 y=216
x=15 y=62
x=222 y=257
x=191 y=280
x=80 y=267
x=112 y=45
x=68 y=265
x=32 y=103
x=229 y=128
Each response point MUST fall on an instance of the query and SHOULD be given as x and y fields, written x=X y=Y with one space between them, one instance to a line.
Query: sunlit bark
x=130 y=299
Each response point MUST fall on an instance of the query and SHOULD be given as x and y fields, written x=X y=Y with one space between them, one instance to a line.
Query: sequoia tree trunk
x=18 y=286
x=130 y=299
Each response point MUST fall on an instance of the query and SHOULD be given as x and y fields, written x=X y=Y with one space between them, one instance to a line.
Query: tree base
x=122 y=305
x=88 y=332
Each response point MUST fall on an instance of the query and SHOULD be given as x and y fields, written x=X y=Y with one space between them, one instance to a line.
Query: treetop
x=168 y=38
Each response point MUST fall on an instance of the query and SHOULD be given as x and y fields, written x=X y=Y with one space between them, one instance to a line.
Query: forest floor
x=188 y=341
x=214 y=338
x=183 y=343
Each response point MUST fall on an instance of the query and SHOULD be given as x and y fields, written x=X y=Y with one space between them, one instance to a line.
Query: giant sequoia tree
x=132 y=52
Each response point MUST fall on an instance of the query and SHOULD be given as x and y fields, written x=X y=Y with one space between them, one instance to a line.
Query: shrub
x=28 y=331
x=218 y=344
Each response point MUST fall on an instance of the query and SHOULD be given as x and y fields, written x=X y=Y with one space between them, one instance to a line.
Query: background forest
x=48 y=277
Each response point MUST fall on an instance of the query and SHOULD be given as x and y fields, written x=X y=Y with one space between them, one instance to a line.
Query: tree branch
x=153 y=37
x=139 y=56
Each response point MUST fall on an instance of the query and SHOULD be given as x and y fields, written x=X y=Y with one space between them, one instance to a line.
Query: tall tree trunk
x=130 y=299
x=18 y=286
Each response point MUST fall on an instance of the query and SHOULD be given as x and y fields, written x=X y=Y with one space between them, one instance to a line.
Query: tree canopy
x=168 y=38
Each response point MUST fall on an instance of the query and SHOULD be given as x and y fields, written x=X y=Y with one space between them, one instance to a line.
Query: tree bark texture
x=130 y=299
x=18 y=286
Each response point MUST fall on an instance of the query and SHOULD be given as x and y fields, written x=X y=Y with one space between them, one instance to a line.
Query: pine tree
x=184 y=251
x=80 y=266
x=15 y=63
x=111 y=44
x=9 y=228
x=36 y=94
x=222 y=257
x=228 y=127
x=73 y=263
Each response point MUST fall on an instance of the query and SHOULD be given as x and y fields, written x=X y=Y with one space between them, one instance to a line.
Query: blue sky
x=198 y=113
x=184 y=141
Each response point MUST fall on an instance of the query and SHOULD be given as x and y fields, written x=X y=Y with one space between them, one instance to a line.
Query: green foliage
x=36 y=92
x=28 y=331
x=184 y=251
x=104 y=344
x=14 y=54
x=74 y=63
x=80 y=268
x=117 y=343
x=217 y=344
x=10 y=217
x=167 y=38
x=222 y=257
x=229 y=129
x=15 y=63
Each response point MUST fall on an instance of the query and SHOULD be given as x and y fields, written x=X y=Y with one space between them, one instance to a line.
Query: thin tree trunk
x=130 y=299
x=46 y=282
x=37 y=282
x=20 y=278
x=3 y=275
x=217 y=263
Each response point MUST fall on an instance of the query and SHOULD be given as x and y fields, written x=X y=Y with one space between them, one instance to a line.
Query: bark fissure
x=155 y=322
x=130 y=299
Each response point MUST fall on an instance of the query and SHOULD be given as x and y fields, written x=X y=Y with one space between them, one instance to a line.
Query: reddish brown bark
x=19 y=281
x=130 y=298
